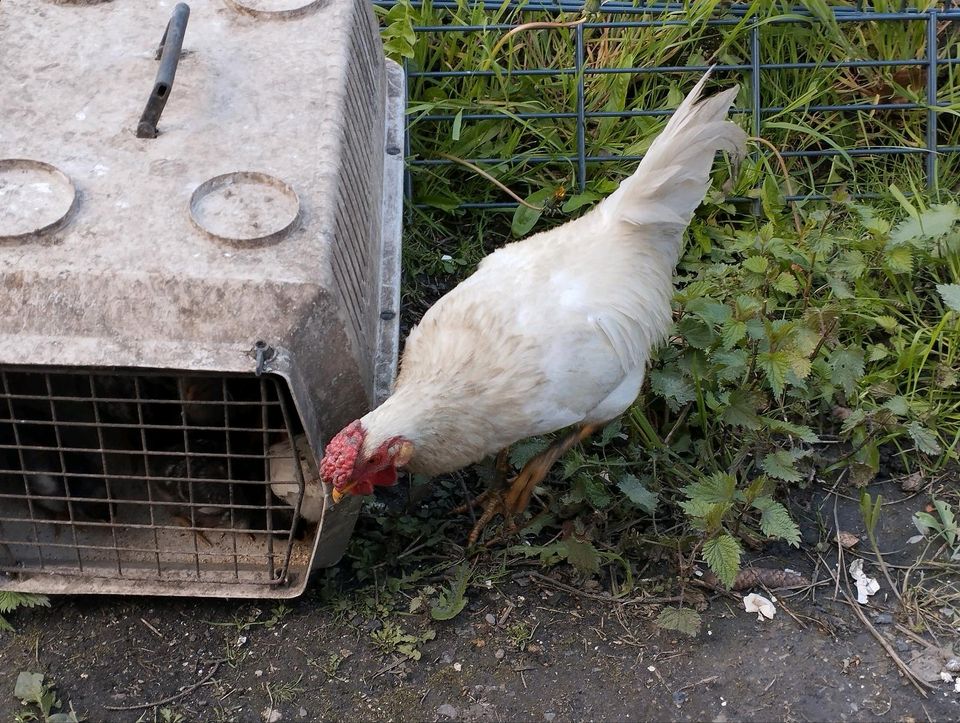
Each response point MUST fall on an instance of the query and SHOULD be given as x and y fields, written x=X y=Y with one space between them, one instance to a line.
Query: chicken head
x=351 y=469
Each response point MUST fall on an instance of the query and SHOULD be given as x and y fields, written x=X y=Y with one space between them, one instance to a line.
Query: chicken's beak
x=338 y=495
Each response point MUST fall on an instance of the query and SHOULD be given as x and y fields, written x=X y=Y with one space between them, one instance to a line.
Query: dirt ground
x=534 y=645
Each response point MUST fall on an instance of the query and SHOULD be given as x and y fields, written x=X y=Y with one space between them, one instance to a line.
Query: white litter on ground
x=866 y=586
x=764 y=608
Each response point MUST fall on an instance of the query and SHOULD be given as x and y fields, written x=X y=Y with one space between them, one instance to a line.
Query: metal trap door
x=132 y=482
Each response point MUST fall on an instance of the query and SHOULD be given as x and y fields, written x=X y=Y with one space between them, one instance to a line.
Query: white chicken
x=552 y=331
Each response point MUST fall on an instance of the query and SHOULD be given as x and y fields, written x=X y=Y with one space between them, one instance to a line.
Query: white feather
x=283 y=478
x=557 y=329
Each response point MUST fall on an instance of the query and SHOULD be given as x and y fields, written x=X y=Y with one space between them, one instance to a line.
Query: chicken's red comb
x=340 y=455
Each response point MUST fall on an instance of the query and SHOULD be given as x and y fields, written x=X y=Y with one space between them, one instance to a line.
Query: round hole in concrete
x=245 y=207
x=35 y=197
x=275 y=9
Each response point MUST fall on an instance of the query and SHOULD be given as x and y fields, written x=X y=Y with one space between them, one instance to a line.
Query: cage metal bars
x=106 y=474
x=146 y=468
x=301 y=482
x=932 y=120
x=63 y=471
x=270 y=396
x=581 y=120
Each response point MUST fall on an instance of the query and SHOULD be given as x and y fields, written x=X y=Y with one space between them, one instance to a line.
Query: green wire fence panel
x=550 y=100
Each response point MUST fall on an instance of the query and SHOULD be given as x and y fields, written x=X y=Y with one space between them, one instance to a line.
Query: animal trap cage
x=199 y=277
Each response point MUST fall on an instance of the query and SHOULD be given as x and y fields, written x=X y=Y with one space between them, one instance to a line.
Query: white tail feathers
x=674 y=175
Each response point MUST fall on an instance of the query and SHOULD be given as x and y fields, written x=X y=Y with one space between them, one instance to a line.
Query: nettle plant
x=805 y=343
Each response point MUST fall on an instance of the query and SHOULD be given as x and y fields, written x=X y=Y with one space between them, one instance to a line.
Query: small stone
x=549 y=716
x=302 y=712
x=883 y=619
x=533 y=648
x=953 y=665
x=271 y=715
x=447 y=711
x=912 y=482
x=458 y=667
x=447 y=657
x=499 y=655
x=490 y=618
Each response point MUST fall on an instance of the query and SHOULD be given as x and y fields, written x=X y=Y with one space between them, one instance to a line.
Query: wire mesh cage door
x=140 y=478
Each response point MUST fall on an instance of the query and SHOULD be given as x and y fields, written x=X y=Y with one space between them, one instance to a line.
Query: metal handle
x=168 y=53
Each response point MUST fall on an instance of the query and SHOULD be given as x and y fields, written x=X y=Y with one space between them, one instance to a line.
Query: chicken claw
x=514 y=500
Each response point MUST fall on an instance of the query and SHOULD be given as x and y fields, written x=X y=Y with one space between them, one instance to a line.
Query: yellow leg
x=515 y=499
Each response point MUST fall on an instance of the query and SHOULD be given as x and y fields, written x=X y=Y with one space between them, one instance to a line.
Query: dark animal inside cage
x=146 y=476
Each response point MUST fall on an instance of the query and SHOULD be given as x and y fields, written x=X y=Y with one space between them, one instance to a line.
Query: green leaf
x=847 y=367
x=395 y=47
x=595 y=491
x=771 y=197
x=756 y=264
x=697 y=508
x=457 y=125
x=801 y=431
x=10 y=601
x=452 y=598
x=899 y=260
x=722 y=554
x=897 y=406
x=783 y=464
x=887 y=323
x=949 y=523
x=580 y=199
x=582 y=555
x=742 y=409
x=925 y=440
x=683 y=620
x=523 y=452
x=775 y=365
x=637 y=493
x=610 y=432
x=70 y=717
x=733 y=364
x=718 y=488
x=787 y=283
x=950 y=293
x=733 y=331
x=840 y=288
x=851 y=263
x=775 y=521
x=525 y=218
x=672 y=385
x=695 y=332
x=710 y=310
x=929 y=226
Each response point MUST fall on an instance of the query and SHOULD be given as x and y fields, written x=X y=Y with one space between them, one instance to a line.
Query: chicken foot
x=514 y=500
x=498 y=485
